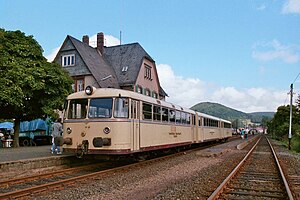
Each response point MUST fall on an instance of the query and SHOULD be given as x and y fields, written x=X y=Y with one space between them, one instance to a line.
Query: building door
x=135 y=120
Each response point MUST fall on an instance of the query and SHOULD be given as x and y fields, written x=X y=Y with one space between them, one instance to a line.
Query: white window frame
x=68 y=60
x=80 y=85
x=124 y=69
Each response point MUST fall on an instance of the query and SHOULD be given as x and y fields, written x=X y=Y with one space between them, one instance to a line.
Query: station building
x=126 y=66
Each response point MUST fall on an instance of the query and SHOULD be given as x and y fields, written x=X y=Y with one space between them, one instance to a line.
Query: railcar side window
x=188 y=118
x=156 y=113
x=77 y=109
x=172 y=115
x=100 y=108
x=65 y=109
x=147 y=111
x=194 y=119
x=121 y=108
x=178 y=117
x=227 y=125
x=214 y=123
x=211 y=122
x=205 y=122
x=183 y=117
x=165 y=114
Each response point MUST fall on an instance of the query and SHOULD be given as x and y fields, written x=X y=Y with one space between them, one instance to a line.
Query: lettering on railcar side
x=173 y=131
x=175 y=134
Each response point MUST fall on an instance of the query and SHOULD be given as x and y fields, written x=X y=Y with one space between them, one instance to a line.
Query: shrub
x=296 y=143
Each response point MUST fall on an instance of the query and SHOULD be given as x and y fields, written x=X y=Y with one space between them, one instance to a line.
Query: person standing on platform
x=31 y=141
x=246 y=133
x=1 y=137
x=56 y=134
x=243 y=133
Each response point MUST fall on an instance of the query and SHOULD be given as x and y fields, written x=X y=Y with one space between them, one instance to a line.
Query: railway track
x=25 y=186
x=31 y=185
x=258 y=176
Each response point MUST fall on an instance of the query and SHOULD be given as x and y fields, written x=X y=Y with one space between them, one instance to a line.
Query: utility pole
x=291 y=112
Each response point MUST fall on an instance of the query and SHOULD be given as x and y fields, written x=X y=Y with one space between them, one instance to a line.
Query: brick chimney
x=85 y=39
x=100 y=42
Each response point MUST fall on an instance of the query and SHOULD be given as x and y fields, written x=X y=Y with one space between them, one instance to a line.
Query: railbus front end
x=97 y=124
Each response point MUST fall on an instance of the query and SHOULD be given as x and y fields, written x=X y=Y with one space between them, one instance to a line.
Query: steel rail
x=287 y=188
x=14 y=181
x=221 y=187
x=56 y=184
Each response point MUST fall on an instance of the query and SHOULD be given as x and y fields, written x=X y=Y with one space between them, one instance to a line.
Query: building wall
x=80 y=68
x=90 y=80
x=145 y=82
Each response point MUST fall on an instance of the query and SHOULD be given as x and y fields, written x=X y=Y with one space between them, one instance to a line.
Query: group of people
x=244 y=133
x=5 y=139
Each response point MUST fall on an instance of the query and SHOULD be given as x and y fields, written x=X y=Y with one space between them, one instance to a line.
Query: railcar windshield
x=121 y=108
x=100 y=108
x=77 y=109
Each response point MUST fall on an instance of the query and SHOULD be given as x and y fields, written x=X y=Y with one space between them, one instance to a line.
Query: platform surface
x=22 y=153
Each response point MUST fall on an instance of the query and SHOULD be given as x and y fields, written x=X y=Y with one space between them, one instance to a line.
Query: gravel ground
x=190 y=176
x=290 y=164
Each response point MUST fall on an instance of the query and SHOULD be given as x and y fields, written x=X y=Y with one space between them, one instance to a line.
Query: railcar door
x=222 y=130
x=193 y=125
x=135 y=118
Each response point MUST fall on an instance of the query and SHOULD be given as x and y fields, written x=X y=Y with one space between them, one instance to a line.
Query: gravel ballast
x=191 y=176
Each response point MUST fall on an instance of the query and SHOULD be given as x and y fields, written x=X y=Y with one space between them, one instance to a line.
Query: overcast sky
x=242 y=54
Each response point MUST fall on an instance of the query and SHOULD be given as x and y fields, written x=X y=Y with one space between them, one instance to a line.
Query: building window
x=73 y=87
x=154 y=95
x=139 y=89
x=147 y=92
x=79 y=83
x=148 y=72
x=68 y=60
x=124 y=69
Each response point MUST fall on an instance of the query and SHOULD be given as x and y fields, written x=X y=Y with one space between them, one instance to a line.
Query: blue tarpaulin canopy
x=7 y=125
x=27 y=126
x=34 y=125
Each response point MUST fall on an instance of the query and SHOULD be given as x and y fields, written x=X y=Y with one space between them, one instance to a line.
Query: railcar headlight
x=89 y=90
x=106 y=130
x=69 y=130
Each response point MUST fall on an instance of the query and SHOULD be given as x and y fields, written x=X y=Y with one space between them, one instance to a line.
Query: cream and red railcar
x=114 y=121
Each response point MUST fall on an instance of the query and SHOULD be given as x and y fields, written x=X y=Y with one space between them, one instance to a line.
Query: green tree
x=31 y=87
x=298 y=102
x=279 y=125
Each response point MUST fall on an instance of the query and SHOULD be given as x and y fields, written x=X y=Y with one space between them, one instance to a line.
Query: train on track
x=121 y=122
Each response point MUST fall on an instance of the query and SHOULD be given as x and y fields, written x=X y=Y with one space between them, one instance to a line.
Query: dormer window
x=139 y=89
x=154 y=94
x=68 y=60
x=147 y=92
x=124 y=69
